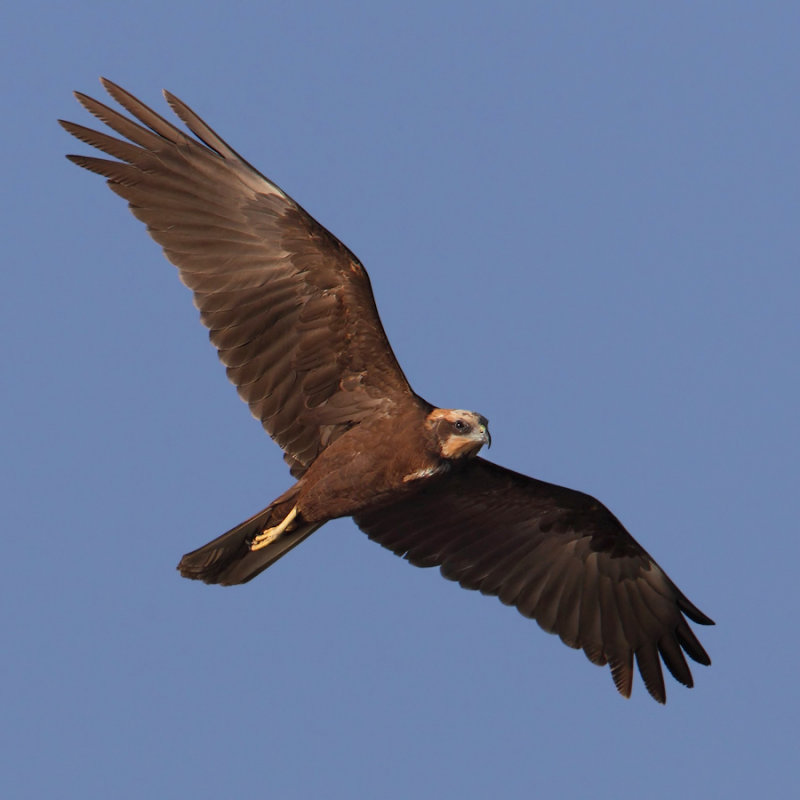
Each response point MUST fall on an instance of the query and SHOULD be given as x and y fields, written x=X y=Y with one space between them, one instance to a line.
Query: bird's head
x=458 y=433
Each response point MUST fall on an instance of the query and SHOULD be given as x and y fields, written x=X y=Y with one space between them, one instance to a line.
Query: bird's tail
x=228 y=559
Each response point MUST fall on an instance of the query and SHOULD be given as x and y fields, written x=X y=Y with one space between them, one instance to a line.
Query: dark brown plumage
x=291 y=312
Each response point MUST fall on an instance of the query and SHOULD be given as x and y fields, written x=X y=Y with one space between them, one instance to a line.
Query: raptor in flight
x=291 y=312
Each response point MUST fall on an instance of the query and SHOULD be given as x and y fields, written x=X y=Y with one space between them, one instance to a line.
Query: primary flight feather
x=291 y=312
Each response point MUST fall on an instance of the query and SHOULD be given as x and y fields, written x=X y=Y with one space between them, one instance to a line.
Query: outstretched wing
x=289 y=307
x=559 y=556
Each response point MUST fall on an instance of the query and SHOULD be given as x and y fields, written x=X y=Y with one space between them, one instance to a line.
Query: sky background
x=581 y=220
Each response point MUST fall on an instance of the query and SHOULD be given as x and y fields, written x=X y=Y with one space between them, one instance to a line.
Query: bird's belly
x=343 y=487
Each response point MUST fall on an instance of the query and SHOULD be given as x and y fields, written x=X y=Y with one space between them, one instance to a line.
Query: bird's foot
x=271 y=534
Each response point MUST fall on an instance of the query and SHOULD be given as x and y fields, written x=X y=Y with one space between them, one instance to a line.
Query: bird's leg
x=271 y=534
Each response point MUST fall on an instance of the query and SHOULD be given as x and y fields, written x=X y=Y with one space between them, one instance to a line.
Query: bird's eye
x=461 y=426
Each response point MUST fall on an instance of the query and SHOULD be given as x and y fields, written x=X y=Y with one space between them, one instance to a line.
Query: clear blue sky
x=581 y=220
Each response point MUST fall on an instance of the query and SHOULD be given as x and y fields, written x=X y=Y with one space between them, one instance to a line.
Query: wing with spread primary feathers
x=559 y=556
x=289 y=307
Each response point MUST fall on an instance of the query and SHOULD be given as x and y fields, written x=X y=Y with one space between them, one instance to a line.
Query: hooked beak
x=484 y=429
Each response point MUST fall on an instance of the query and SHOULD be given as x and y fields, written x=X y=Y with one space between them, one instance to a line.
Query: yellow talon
x=271 y=534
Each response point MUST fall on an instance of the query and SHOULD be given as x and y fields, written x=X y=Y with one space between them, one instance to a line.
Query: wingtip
x=173 y=102
x=693 y=612
x=657 y=692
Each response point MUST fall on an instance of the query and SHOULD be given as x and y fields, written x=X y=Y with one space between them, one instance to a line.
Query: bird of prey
x=291 y=312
